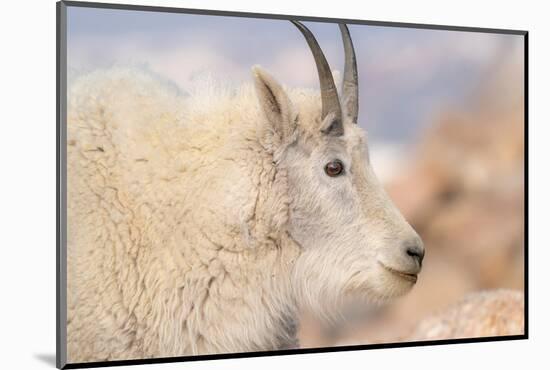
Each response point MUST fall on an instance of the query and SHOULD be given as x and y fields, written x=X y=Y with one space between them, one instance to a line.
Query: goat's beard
x=326 y=287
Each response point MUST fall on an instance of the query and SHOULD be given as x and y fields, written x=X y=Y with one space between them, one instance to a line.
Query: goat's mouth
x=404 y=275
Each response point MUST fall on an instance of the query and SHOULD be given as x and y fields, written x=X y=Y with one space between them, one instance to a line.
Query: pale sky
x=406 y=75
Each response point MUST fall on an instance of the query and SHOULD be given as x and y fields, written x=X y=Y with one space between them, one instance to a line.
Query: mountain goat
x=203 y=223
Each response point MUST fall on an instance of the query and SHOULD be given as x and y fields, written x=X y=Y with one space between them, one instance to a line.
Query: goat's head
x=354 y=241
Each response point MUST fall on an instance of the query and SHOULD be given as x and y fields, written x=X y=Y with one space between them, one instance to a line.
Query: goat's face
x=354 y=241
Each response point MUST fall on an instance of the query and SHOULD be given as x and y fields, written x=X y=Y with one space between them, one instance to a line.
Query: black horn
x=329 y=94
x=350 y=83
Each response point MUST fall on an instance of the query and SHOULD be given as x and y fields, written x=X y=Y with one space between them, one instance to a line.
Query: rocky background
x=462 y=188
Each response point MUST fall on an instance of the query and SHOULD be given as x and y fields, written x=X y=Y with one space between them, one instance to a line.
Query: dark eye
x=334 y=168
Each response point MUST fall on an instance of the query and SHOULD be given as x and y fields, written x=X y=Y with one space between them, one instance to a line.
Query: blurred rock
x=484 y=314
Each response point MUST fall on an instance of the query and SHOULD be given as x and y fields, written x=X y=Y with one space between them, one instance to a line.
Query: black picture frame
x=61 y=194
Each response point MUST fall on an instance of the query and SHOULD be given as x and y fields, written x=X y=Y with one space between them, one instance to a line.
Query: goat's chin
x=391 y=284
x=382 y=287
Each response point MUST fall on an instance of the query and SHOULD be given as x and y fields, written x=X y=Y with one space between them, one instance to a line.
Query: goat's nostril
x=417 y=252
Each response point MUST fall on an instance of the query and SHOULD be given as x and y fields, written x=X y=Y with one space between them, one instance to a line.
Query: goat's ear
x=275 y=103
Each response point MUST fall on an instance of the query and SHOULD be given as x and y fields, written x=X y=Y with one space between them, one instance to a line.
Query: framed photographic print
x=235 y=184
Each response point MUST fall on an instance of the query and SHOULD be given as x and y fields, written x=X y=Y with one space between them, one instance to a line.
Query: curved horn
x=350 y=84
x=329 y=94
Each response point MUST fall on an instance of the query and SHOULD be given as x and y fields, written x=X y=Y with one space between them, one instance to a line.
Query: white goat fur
x=178 y=234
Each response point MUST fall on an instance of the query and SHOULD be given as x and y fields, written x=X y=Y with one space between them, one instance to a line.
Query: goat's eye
x=334 y=168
